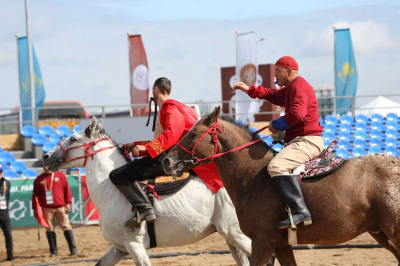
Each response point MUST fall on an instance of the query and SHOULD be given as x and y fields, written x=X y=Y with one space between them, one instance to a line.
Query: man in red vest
x=302 y=133
x=176 y=120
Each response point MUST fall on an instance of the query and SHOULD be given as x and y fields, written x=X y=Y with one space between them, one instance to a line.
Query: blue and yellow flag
x=25 y=93
x=345 y=69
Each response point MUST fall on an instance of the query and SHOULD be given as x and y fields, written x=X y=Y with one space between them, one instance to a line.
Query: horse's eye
x=72 y=139
x=192 y=135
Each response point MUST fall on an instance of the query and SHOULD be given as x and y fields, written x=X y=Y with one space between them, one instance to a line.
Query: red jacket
x=176 y=119
x=61 y=192
x=301 y=107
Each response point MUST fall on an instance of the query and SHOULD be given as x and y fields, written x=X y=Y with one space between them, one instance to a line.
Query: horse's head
x=200 y=142
x=73 y=151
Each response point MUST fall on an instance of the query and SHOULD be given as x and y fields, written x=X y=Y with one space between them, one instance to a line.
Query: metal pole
x=334 y=71
x=19 y=89
x=237 y=79
x=31 y=77
x=103 y=112
x=129 y=74
x=353 y=108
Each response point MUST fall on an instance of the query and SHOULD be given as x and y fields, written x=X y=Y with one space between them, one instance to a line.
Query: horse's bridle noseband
x=86 y=148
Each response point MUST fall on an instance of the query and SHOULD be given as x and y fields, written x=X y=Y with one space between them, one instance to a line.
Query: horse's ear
x=212 y=118
x=100 y=125
x=93 y=124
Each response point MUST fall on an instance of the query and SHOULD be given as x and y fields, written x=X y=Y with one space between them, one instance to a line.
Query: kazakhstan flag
x=25 y=93
x=345 y=69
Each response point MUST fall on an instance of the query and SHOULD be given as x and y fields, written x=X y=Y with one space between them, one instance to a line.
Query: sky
x=83 y=51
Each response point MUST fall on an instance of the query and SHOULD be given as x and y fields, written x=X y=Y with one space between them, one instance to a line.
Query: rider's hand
x=272 y=129
x=67 y=208
x=137 y=149
x=131 y=146
x=241 y=86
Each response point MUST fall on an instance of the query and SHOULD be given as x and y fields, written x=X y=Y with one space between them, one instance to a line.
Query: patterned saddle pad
x=320 y=165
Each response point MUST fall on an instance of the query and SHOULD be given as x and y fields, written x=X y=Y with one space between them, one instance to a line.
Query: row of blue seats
x=362 y=127
x=356 y=152
x=347 y=119
x=27 y=173
x=363 y=144
x=373 y=134
x=46 y=130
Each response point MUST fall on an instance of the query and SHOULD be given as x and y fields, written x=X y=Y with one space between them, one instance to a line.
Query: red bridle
x=86 y=148
x=213 y=131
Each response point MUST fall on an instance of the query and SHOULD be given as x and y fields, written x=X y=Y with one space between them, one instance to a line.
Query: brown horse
x=363 y=195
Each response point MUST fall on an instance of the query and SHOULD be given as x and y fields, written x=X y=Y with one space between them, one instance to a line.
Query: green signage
x=21 y=190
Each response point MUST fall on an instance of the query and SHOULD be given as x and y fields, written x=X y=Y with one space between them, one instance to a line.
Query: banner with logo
x=25 y=93
x=139 y=75
x=247 y=72
x=346 y=77
x=20 y=205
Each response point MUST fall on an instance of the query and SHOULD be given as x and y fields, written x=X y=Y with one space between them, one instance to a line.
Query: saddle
x=320 y=166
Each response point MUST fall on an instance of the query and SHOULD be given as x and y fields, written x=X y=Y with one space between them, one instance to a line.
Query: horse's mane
x=103 y=134
x=242 y=125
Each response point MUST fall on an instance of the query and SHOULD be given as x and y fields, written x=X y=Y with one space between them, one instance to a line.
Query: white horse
x=183 y=218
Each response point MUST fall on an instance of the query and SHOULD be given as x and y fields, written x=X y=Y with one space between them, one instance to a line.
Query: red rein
x=86 y=148
x=213 y=131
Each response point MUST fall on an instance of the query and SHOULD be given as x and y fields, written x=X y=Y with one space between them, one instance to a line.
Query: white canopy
x=380 y=105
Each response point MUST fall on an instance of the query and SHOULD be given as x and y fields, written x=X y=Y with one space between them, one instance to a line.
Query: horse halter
x=86 y=148
x=213 y=131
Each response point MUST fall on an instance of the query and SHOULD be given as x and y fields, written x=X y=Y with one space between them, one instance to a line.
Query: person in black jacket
x=5 y=221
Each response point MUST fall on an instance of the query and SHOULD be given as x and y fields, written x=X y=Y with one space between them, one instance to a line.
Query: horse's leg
x=238 y=255
x=285 y=255
x=138 y=253
x=112 y=257
x=262 y=251
x=384 y=241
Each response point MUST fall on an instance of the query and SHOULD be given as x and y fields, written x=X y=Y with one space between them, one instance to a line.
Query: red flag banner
x=139 y=75
x=39 y=214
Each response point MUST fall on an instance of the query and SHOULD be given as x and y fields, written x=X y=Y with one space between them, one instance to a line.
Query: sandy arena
x=91 y=245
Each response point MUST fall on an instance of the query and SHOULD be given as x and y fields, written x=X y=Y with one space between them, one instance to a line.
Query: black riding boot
x=136 y=196
x=51 y=237
x=69 y=236
x=10 y=256
x=290 y=189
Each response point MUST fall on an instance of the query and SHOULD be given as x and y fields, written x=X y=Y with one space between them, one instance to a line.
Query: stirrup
x=136 y=220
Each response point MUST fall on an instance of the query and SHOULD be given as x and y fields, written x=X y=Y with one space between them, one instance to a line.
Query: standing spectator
x=55 y=197
x=5 y=221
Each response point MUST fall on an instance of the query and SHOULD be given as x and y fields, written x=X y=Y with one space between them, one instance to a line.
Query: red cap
x=287 y=62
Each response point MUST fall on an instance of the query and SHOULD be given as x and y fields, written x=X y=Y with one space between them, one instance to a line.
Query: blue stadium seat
x=28 y=131
x=38 y=140
x=277 y=147
x=360 y=126
x=376 y=118
x=55 y=137
x=6 y=158
x=376 y=126
x=1 y=149
x=328 y=136
x=374 y=149
x=28 y=173
x=342 y=153
x=330 y=128
x=331 y=120
x=344 y=144
x=392 y=151
x=48 y=146
x=392 y=125
x=63 y=130
x=344 y=136
x=76 y=129
x=10 y=174
x=345 y=128
x=391 y=133
x=46 y=130
x=359 y=143
x=360 y=135
x=346 y=119
x=392 y=117
x=321 y=121
x=357 y=152
x=326 y=143
x=267 y=140
x=375 y=142
x=253 y=129
x=375 y=134
x=362 y=118
x=18 y=166
x=391 y=142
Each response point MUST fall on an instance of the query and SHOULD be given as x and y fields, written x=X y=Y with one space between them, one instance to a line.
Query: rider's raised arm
x=174 y=128
x=272 y=95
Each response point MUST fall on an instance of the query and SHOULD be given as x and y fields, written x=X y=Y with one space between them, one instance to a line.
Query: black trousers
x=138 y=170
x=5 y=223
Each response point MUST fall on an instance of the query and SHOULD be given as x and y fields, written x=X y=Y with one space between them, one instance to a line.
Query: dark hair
x=164 y=85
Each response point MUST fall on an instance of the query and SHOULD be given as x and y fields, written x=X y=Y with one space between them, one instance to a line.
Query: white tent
x=380 y=105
